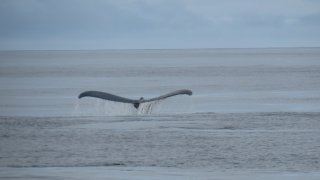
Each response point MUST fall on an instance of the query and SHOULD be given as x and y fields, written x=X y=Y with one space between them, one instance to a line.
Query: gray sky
x=135 y=24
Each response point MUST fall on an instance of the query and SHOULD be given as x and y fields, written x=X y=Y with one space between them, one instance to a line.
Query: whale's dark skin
x=136 y=103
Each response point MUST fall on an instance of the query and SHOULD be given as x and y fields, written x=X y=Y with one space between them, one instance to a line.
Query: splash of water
x=118 y=109
x=149 y=107
x=75 y=110
x=98 y=107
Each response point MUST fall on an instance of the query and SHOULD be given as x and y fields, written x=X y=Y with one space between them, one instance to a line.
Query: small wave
x=229 y=127
x=115 y=164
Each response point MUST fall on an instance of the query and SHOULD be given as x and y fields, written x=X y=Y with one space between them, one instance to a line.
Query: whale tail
x=136 y=103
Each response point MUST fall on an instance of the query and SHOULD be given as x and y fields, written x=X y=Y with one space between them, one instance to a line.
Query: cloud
x=72 y=24
x=64 y=17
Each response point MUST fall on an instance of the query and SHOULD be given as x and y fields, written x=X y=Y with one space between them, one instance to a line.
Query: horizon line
x=142 y=49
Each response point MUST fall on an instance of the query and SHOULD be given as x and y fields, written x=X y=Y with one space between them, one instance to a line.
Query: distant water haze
x=47 y=83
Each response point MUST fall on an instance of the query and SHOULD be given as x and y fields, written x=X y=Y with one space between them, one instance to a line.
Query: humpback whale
x=136 y=102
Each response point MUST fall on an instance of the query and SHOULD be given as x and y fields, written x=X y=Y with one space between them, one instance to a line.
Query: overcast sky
x=135 y=24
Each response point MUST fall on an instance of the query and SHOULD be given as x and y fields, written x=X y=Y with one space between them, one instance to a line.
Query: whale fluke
x=136 y=103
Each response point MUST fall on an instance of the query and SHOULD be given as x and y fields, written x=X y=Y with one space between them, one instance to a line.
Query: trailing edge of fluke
x=136 y=103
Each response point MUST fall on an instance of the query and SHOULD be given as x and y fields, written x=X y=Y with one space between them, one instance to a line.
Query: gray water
x=268 y=141
x=252 y=109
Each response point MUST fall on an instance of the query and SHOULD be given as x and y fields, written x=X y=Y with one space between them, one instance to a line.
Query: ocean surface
x=254 y=114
